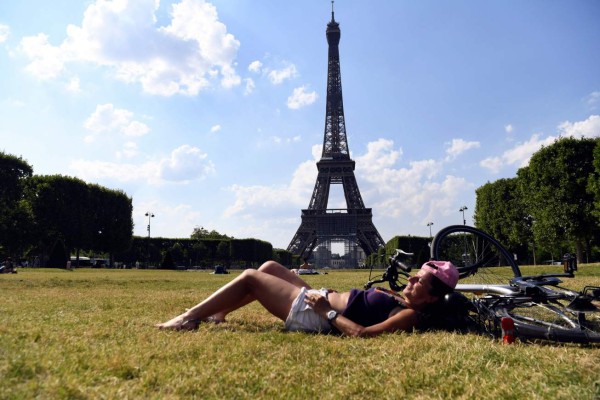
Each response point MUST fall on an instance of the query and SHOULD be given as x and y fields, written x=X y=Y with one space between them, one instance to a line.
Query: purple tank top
x=372 y=306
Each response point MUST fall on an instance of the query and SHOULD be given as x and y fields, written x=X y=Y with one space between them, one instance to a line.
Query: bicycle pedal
x=582 y=304
x=593 y=291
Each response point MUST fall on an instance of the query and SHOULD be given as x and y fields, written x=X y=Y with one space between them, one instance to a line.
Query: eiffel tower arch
x=320 y=226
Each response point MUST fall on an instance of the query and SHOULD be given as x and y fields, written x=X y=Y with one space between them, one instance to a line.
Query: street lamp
x=462 y=209
x=429 y=225
x=150 y=215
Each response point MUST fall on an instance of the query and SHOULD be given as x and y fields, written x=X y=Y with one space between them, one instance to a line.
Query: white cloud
x=397 y=192
x=185 y=164
x=256 y=196
x=459 y=146
x=4 y=33
x=493 y=164
x=135 y=128
x=250 y=85
x=184 y=57
x=300 y=98
x=252 y=201
x=130 y=150
x=293 y=139
x=107 y=118
x=47 y=60
x=278 y=76
x=517 y=156
x=508 y=128
x=593 y=100
x=255 y=66
x=16 y=103
x=215 y=128
x=95 y=170
x=380 y=156
x=520 y=154
x=588 y=128
x=73 y=85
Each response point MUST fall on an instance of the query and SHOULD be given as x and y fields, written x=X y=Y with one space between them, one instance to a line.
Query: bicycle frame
x=560 y=322
x=565 y=312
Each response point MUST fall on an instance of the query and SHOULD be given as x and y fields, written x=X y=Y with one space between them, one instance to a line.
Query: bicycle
x=535 y=307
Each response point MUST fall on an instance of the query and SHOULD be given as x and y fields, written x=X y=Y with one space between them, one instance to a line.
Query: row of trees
x=201 y=253
x=48 y=218
x=551 y=207
x=38 y=212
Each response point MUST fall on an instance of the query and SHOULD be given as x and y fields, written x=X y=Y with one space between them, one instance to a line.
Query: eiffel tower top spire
x=335 y=143
x=332 y=19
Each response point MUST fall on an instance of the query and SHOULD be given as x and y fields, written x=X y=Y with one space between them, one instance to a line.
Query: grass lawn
x=88 y=334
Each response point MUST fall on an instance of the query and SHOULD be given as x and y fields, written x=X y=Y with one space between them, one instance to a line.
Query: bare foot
x=216 y=318
x=180 y=324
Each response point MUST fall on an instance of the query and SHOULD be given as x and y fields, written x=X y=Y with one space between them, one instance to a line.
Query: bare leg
x=278 y=270
x=271 y=268
x=274 y=293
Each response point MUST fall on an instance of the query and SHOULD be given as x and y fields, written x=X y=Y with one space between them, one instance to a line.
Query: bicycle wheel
x=553 y=321
x=478 y=256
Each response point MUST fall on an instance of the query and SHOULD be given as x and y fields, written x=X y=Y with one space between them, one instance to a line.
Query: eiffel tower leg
x=304 y=241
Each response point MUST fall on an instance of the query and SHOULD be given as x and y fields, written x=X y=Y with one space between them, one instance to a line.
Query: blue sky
x=212 y=113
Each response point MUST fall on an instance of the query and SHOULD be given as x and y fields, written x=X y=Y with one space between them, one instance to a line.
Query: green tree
x=15 y=214
x=554 y=188
x=110 y=212
x=201 y=233
x=58 y=256
x=594 y=180
x=83 y=216
x=177 y=253
x=500 y=211
x=224 y=252
x=198 y=252
x=61 y=208
x=167 y=262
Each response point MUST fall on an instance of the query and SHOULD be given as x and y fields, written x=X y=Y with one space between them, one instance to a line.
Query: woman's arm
x=404 y=320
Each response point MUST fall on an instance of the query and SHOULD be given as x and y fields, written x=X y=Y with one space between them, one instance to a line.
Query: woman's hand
x=318 y=303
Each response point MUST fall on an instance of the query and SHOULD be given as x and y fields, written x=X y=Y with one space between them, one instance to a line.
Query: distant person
x=355 y=313
x=8 y=267
x=305 y=269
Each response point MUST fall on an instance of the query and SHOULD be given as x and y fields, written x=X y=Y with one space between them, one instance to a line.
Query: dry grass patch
x=89 y=334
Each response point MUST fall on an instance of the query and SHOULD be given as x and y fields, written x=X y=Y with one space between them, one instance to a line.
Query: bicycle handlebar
x=395 y=268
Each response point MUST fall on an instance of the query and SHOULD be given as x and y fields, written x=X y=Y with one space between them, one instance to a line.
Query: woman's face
x=418 y=288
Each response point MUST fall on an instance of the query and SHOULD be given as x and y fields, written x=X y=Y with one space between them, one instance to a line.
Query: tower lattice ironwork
x=353 y=225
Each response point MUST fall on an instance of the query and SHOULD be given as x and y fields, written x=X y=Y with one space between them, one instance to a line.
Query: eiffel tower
x=321 y=226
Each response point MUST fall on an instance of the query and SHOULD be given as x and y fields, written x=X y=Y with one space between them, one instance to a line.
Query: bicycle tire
x=552 y=322
x=478 y=256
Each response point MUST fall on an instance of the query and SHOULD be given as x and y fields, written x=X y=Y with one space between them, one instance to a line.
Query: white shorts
x=303 y=318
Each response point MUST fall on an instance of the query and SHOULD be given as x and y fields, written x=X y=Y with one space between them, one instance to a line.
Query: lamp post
x=462 y=209
x=429 y=224
x=150 y=215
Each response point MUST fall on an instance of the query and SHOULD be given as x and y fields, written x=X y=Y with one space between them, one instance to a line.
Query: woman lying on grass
x=354 y=313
